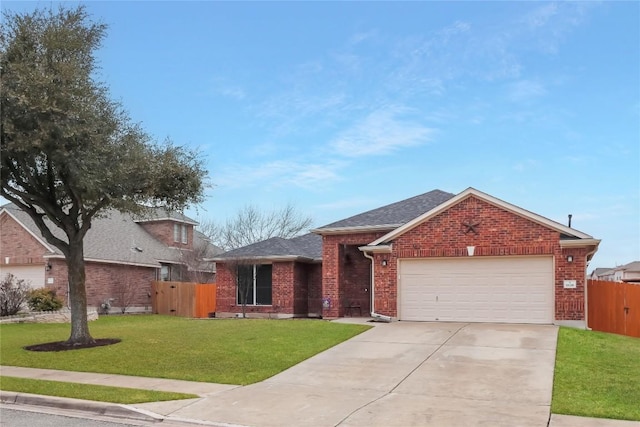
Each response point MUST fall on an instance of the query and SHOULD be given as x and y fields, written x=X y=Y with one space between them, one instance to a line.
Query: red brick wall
x=499 y=233
x=104 y=281
x=314 y=278
x=163 y=231
x=18 y=244
x=300 y=289
x=289 y=295
x=334 y=249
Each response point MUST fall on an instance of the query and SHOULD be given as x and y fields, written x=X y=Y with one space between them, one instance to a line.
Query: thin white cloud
x=278 y=173
x=381 y=132
x=525 y=165
x=526 y=90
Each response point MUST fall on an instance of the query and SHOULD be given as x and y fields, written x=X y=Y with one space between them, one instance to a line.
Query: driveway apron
x=404 y=374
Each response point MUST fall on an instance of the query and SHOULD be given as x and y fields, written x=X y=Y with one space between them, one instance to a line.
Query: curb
x=100 y=408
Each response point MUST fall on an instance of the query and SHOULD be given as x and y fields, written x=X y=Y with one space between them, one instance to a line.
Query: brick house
x=434 y=257
x=123 y=255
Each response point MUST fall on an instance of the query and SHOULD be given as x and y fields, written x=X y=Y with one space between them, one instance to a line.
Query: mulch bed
x=65 y=346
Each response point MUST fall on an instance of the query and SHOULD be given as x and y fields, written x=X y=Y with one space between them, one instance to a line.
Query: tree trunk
x=77 y=295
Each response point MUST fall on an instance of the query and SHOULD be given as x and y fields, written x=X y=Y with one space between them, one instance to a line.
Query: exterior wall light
x=569 y=258
x=384 y=262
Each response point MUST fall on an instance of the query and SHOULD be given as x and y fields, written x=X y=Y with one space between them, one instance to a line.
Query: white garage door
x=33 y=274
x=500 y=289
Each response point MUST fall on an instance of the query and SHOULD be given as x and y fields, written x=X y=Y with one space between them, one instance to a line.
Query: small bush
x=13 y=293
x=43 y=299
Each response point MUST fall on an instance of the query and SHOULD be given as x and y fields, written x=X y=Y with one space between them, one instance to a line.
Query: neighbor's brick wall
x=163 y=231
x=500 y=233
x=333 y=252
x=18 y=244
x=104 y=281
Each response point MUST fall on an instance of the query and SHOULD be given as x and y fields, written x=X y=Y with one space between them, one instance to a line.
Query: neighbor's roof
x=161 y=214
x=306 y=247
x=632 y=266
x=601 y=270
x=389 y=216
x=114 y=237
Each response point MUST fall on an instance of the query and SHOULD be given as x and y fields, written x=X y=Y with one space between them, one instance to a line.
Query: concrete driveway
x=404 y=374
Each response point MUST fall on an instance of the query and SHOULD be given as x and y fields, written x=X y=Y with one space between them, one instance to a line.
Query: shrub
x=13 y=293
x=43 y=299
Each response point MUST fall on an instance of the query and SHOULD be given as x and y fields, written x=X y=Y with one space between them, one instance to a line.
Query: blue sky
x=341 y=107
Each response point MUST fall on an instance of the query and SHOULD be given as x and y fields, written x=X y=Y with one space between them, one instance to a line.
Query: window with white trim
x=184 y=233
x=180 y=233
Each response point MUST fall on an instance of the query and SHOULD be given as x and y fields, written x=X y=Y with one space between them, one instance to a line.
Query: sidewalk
x=159 y=411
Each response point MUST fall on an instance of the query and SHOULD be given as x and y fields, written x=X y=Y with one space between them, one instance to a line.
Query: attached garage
x=506 y=289
x=32 y=274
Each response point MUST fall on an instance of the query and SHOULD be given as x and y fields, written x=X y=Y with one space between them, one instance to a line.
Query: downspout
x=376 y=316
x=586 y=287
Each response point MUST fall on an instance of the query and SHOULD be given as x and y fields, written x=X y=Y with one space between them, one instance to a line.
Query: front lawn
x=597 y=375
x=232 y=351
x=123 y=395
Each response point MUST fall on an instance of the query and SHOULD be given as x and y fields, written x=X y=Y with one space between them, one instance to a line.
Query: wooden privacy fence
x=614 y=307
x=184 y=299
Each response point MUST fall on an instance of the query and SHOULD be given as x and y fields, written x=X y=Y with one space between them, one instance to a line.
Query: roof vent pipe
x=570 y=220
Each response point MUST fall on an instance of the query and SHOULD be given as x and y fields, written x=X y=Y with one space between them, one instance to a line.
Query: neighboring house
x=468 y=257
x=625 y=273
x=602 y=273
x=123 y=255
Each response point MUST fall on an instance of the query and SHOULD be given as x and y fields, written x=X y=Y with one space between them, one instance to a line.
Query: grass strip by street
x=98 y=393
x=226 y=351
x=597 y=375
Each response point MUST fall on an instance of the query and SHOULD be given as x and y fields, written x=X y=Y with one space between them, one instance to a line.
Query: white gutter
x=376 y=316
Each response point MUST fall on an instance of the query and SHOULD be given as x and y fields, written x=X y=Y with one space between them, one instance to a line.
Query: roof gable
x=20 y=221
x=469 y=192
x=388 y=217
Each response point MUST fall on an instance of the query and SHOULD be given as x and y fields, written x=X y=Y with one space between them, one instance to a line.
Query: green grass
x=99 y=393
x=597 y=375
x=233 y=351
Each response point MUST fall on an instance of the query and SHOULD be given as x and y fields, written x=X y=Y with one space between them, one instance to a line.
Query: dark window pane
x=263 y=284
x=245 y=284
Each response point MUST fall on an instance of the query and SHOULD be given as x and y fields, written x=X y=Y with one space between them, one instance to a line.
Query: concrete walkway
x=397 y=374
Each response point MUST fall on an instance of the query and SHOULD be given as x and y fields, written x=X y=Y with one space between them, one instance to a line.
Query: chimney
x=570 y=220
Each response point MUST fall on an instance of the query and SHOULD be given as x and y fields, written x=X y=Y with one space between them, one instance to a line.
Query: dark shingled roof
x=394 y=214
x=306 y=246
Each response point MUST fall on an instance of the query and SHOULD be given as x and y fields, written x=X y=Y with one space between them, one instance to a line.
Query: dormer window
x=180 y=233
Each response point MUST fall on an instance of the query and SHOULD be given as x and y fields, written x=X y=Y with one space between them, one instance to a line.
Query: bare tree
x=125 y=290
x=195 y=268
x=13 y=293
x=251 y=225
x=241 y=269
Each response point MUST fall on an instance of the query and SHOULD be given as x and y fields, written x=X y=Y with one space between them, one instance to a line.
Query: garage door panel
x=33 y=275
x=501 y=289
